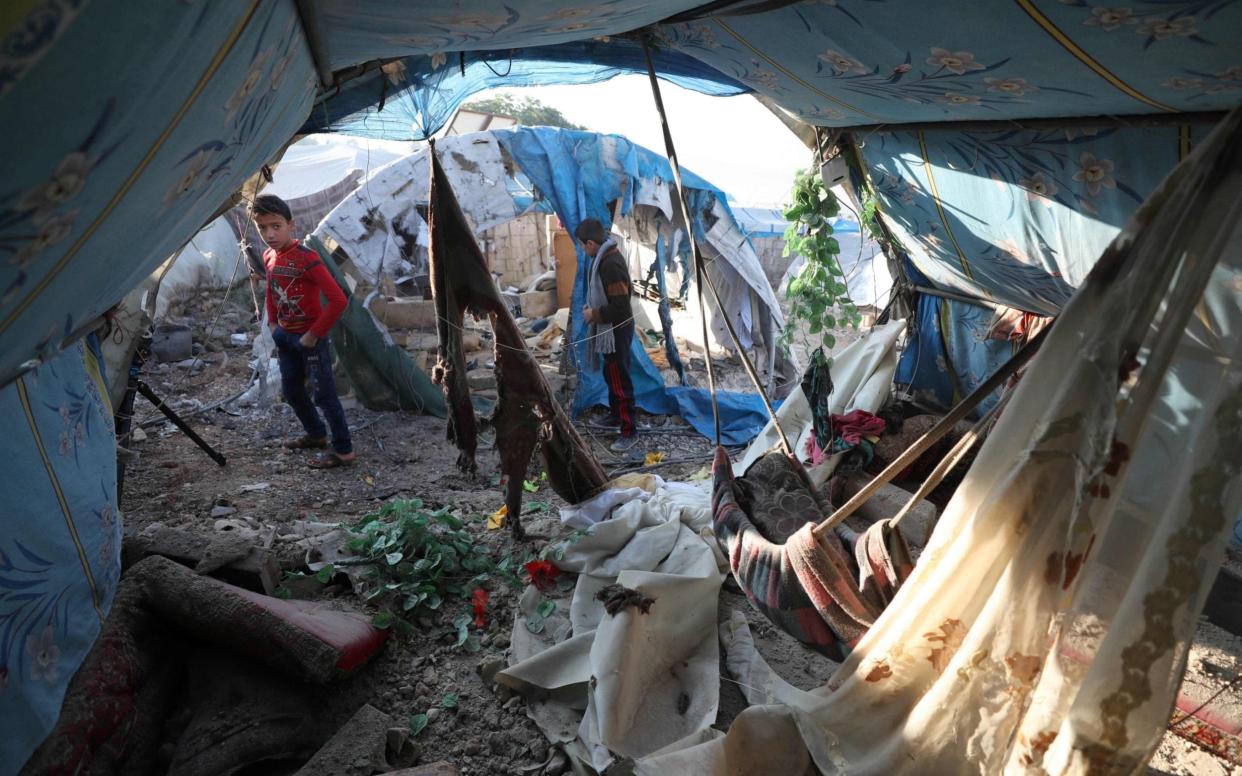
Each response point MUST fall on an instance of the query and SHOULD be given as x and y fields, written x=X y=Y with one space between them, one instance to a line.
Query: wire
x=1228 y=685
x=572 y=343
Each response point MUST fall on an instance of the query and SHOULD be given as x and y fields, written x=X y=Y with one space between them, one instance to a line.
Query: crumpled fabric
x=852 y=427
x=632 y=683
x=527 y=415
x=805 y=585
x=1046 y=627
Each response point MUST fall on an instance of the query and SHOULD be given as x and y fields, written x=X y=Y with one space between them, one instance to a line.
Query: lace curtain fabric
x=1045 y=628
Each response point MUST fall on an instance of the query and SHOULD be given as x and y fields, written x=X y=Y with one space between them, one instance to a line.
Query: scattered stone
x=171 y=342
x=222 y=511
x=358 y=748
x=497 y=742
x=539 y=748
x=489 y=668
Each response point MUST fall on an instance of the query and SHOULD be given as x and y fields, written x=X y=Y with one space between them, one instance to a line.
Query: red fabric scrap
x=853 y=426
x=479 y=601
x=543 y=573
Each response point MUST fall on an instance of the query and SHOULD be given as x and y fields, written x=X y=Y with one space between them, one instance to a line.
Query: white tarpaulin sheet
x=369 y=223
x=862 y=375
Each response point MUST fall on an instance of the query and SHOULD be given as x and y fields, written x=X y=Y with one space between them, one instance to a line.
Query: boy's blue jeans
x=297 y=364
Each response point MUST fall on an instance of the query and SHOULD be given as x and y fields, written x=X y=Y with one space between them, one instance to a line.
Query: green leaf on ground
x=383 y=620
x=417 y=723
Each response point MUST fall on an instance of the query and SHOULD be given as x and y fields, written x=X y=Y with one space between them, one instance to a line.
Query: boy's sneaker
x=606 y=423
x=623 y=444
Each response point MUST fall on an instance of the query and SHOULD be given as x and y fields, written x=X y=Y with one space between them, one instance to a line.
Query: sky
x=733 y=142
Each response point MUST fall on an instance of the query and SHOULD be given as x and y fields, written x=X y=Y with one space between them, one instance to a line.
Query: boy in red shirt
x=300 y=325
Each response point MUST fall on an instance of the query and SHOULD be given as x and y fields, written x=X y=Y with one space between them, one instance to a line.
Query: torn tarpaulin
x=526 y=415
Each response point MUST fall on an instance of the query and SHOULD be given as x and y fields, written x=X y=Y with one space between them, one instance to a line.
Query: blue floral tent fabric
x=1010 y=217
x=60 y=540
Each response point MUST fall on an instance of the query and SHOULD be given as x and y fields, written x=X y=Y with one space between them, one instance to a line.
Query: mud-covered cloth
x=527 y=415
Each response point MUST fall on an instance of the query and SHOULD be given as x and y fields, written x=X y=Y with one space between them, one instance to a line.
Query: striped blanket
x=808 y=587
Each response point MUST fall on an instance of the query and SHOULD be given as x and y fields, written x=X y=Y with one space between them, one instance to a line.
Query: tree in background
x=527 y=111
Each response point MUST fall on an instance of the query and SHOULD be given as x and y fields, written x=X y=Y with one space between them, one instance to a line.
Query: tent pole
x=750 y=367
x=699 y=272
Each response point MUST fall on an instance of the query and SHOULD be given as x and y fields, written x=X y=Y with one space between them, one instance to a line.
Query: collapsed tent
x=501 y=174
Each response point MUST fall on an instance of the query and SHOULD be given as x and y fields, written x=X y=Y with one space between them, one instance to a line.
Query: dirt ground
x=405 y=456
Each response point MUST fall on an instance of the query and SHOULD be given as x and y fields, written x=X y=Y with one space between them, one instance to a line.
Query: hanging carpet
x=806 y=585
x=527 y=415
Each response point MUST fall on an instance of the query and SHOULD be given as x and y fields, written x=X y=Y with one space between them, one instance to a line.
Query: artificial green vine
x=819 y=293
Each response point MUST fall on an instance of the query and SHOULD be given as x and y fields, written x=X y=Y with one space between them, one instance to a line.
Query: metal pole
x=146 y=391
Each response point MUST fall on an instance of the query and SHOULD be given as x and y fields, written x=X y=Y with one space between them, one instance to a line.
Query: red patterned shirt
x=295 y=278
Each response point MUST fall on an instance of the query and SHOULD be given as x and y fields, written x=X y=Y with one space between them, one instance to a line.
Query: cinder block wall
x=774 y=264
x=517 y=250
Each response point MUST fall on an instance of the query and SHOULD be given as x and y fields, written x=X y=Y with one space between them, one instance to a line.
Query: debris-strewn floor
x=404 y=456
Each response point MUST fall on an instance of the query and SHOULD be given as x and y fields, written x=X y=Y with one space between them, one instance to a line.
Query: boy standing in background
x=300 y=324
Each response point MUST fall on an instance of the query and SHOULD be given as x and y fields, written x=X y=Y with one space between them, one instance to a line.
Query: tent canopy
x=151 y=134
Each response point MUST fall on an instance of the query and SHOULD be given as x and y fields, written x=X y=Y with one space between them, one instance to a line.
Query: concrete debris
x=405 y=313
x=359 y=748
x=231 y=557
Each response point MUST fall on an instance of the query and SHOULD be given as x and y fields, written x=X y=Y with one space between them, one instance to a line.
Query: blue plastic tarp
x=573 y=172
x=419 y=94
